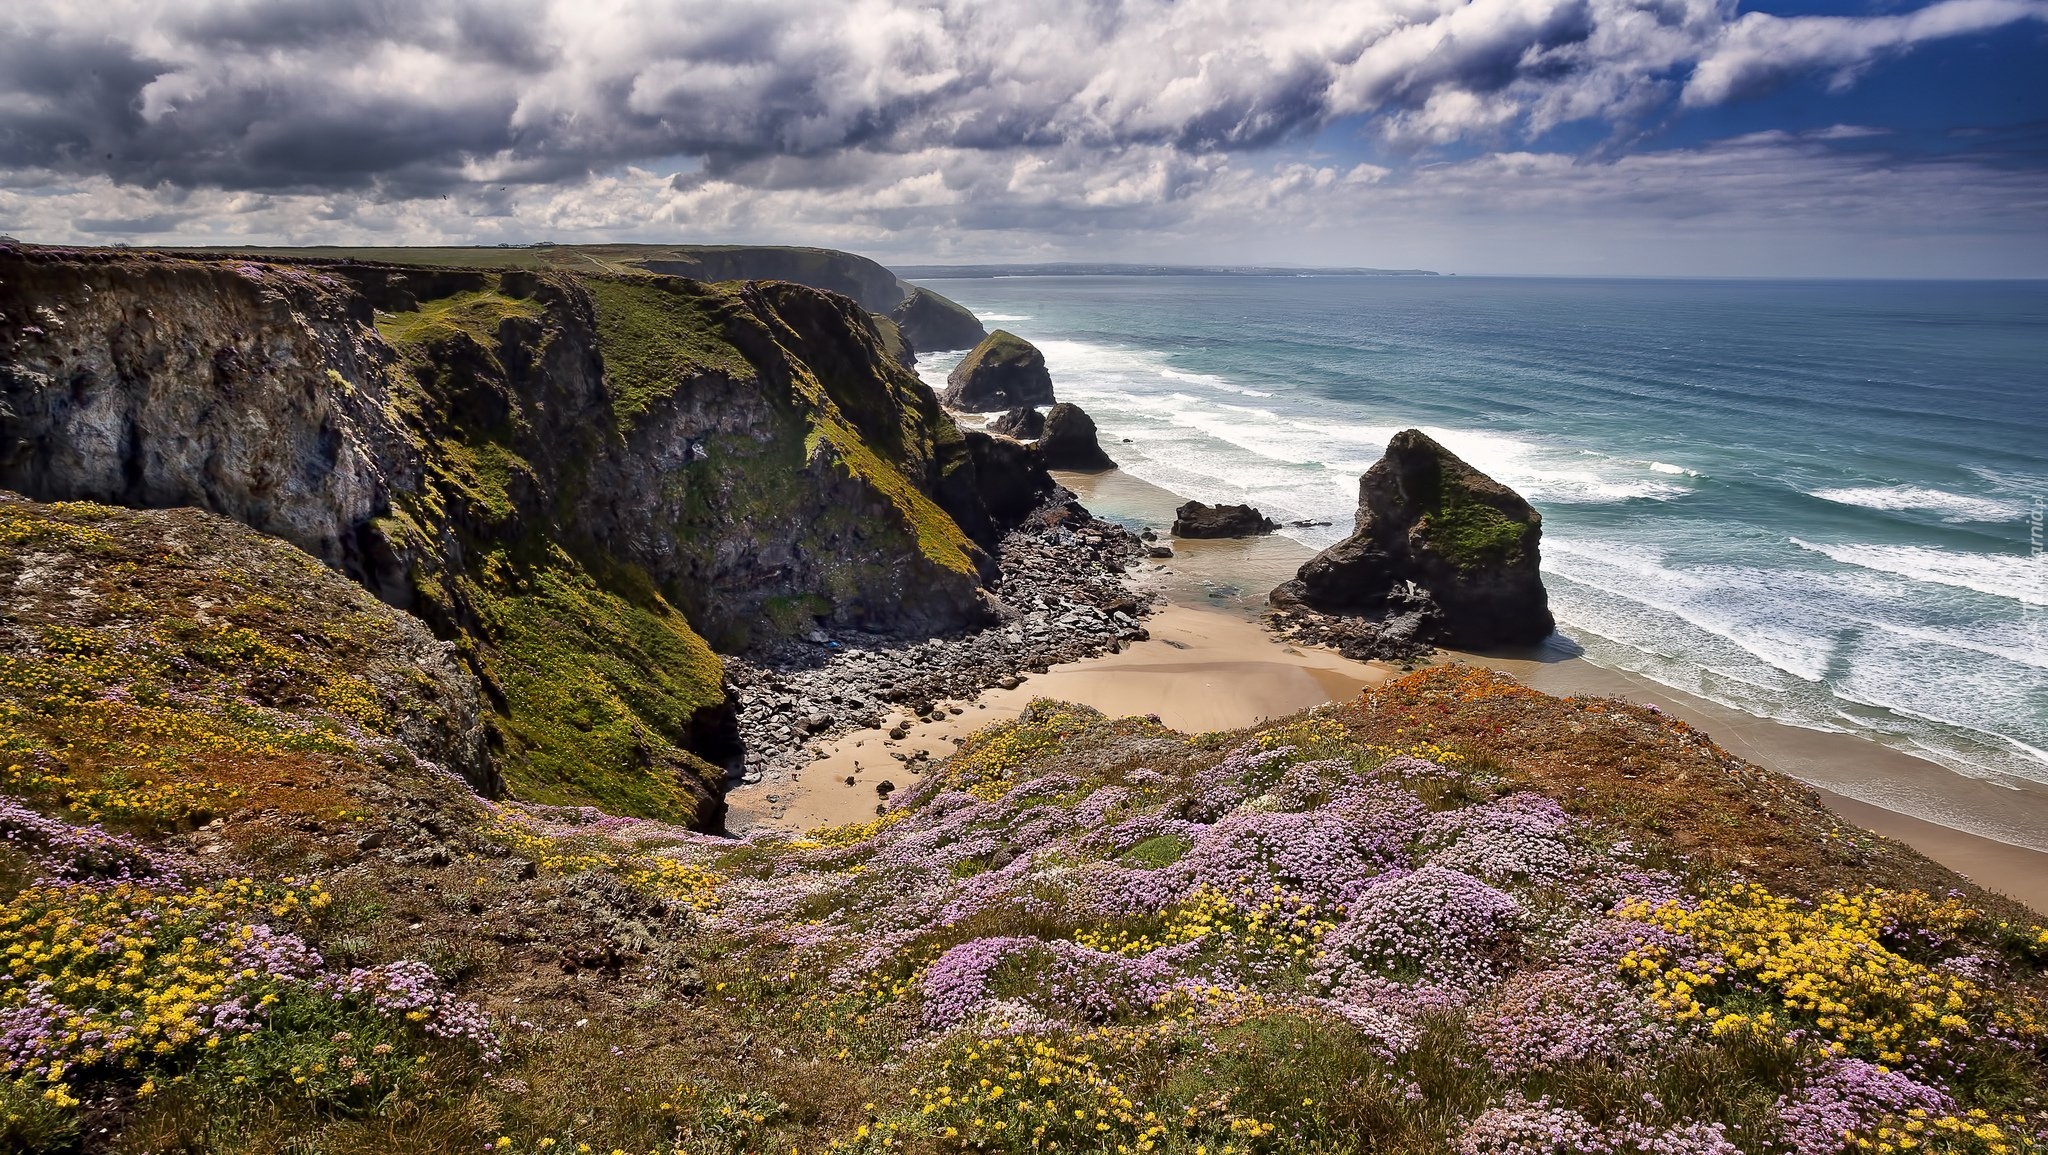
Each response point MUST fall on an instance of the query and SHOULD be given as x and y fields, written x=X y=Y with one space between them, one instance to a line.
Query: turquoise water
x=1812 y=501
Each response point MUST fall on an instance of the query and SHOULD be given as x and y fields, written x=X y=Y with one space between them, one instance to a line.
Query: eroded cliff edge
x=585 y=482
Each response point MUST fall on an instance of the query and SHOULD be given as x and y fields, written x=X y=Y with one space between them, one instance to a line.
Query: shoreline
x=1210 y=664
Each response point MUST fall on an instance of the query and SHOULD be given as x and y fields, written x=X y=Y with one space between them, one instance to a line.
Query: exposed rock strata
x=1431 y=526
x=1003 y=372
x=1010 y=475
x=1197 y=519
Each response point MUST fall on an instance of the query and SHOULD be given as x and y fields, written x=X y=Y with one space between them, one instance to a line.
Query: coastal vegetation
x=1452 y=914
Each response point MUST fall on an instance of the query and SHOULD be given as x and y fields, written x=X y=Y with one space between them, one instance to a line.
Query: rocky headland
x=592 y=485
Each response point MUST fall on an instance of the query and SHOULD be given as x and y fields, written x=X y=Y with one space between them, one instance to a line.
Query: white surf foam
x=1920 y=499
x=2022 y=578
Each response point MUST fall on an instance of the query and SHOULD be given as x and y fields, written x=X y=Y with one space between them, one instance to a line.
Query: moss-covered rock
x=1003 y=372
x=1427 y=519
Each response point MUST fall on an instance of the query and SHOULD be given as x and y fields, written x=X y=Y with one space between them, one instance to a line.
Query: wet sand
x=1210 y=665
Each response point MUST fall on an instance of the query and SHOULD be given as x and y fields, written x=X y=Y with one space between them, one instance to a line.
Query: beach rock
x=1196 y=519
x=1431 y=525
x=1024 y=424
x=1159 y=551
x=932 y=323
x=1068 y=440
x=1003 y=372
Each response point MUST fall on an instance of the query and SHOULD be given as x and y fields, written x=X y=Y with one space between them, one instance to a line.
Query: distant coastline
x=1074 y=269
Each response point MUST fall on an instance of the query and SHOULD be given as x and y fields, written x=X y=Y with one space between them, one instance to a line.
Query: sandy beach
x=1210 y=665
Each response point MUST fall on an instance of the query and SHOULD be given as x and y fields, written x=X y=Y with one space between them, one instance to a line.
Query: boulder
x=1024 y=424
x=1430 y=524
x=932 y=323
x=1198 y=520
x=1003 y=372
x=1068 y=440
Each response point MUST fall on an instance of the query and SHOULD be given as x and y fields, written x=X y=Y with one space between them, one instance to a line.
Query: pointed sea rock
x=1426 y=517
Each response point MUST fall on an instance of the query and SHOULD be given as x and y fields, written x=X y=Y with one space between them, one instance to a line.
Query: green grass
x=602 y=682
x=477 y=315
x=657 y=332
x=1469 y=531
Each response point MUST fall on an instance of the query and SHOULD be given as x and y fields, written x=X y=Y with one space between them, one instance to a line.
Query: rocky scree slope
x=584 y=482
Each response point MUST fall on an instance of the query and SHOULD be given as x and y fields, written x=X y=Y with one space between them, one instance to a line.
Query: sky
x=1583 y=137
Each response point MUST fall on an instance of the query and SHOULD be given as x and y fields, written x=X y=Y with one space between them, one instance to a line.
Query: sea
x=1819 y=502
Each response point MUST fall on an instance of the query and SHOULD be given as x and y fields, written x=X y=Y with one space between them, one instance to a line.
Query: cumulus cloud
x=927 y=127
x=417 y=99
x=1759 y=48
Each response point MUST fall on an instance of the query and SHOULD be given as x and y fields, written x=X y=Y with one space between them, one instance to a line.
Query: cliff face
x=579 y=480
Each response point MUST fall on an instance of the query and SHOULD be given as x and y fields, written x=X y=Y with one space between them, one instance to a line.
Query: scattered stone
x=1159 y=551
x=885 y=787
x=1060 y=594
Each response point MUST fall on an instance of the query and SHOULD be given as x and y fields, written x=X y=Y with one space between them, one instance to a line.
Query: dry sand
x=1210 y=665
x=1203 y=669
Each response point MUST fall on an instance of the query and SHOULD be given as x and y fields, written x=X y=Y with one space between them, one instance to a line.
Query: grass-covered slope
x=1453 y=915
x=160 y=668
x=586 y=480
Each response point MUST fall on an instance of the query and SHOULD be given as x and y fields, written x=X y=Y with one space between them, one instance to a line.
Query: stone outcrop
x=1196 y=519
x=933 y=323
x=1068 y=440
x=1024 y=424
x=580 y=480
x=1437 y=540
x=1003 y=372
x=1011 y=476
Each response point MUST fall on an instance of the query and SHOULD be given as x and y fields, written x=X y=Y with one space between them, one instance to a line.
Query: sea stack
x=1003 y=372
x=1196 y=519
x=1068 y=440
x=1428 y=523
